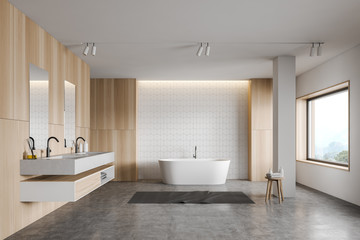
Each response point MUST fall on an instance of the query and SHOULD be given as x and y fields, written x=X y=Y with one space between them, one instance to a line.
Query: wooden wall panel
x=56 y=84
x=113 y=123
x=21 y=68
x=125 y=104
x=301 y=129
x=260 y=128
x=70 y=59
x=79 y=90
x=261 y=100
x=85 y=133
x=126 y=159
x=105 y=111
x=86 y=93
x=38 y=43
x=24 y=42
x=93 y=103
x=261 y=153
x=6 y=61
x=8 y=152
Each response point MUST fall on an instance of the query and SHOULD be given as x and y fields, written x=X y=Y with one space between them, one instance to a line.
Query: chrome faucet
x=76 y=144
x=194 y=155
x=48 y=150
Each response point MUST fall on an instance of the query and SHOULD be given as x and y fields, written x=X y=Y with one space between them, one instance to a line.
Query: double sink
x=66 y=164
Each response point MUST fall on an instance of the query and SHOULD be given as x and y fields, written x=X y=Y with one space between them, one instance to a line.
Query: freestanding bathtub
x=183 y=171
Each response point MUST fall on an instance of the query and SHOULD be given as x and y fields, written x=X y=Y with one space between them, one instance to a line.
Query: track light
x=207 y=52
x=312 y=50
x=93 y=50
x=199 y=52
x=86 y=50
x=319 y=50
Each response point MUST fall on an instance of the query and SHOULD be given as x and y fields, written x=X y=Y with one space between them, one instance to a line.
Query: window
x=328 y=128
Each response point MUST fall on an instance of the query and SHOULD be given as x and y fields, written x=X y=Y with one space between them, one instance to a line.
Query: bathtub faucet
x=194 y=155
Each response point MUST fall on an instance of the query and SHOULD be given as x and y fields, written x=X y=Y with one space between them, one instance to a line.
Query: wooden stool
x=278 y=180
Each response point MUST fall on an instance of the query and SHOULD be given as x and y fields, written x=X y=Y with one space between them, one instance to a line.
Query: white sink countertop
x=66 y=164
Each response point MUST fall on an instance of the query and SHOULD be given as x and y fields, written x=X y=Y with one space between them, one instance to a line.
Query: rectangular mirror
x=39 y=105
x=69 y=113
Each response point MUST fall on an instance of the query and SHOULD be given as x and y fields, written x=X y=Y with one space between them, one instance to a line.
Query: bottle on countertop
x=80 y=148
x=86 y=146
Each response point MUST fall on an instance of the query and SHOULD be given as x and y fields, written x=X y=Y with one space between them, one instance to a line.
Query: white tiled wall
x=39 y=114
x=174 y=116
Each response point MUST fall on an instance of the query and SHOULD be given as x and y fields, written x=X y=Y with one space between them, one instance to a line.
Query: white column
x=284 y=90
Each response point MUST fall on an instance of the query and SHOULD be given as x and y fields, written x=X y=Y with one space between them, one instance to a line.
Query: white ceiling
x=158 y=39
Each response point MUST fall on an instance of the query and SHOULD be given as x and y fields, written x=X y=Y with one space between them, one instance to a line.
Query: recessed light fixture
x=86 y=50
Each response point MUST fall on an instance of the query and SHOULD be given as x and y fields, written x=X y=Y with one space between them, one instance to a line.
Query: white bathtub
x=185 y=171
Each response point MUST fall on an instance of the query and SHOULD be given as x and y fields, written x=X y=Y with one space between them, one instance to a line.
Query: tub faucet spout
x=194 y=155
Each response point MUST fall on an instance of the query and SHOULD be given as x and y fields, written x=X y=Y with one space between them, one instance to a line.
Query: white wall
x=174 y=116
x=339 y=183
x=284 y=121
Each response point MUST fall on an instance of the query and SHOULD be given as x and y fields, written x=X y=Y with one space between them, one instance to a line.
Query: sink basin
x=72 y=155
x=67 y=164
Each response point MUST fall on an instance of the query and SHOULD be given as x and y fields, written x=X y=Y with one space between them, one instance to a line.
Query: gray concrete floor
x=105 y=214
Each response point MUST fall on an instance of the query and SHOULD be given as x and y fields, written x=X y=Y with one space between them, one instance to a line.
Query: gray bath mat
x=190 y=197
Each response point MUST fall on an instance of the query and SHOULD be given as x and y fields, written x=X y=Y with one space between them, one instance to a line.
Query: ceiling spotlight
x=319 y=50
x=201 y=48
x=93 y=50
x=86 y=50
x=312 y=50
x=207 y=52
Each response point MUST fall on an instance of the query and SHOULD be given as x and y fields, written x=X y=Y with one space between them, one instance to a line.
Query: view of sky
x=331 y=122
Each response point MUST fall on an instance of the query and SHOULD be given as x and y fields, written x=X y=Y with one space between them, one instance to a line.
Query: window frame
x=346 y=88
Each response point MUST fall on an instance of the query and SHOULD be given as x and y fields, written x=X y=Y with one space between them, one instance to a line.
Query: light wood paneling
x=261 y=153
x=23 y=42
x=106 y=141
x=70 y=66
x=301 y=129
x=105 y=110
x=260 y=128
x=79 y=90
x=86 y=93
x=84 y=186
x=249 y=133
x=93 y=103
x=21 y=68
x=261 y=101
x=8 y=142
x=113 y=123
x=93 y=143
x=58 y=132
x=83 y=132
x=126 y=152
x=6 y=61
x=125 y=104
x=56 y=83
x=38 y=43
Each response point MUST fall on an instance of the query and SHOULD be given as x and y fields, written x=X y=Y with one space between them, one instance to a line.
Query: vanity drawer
x=64 y=188
x=87 y=185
